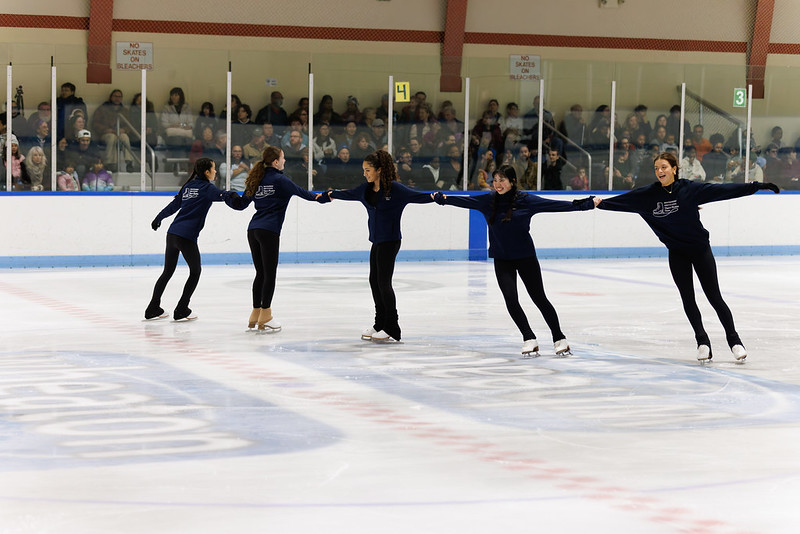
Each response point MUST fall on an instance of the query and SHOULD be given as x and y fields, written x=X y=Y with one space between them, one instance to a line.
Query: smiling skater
x=385 y=200
x=508 y=213
x=671 y=208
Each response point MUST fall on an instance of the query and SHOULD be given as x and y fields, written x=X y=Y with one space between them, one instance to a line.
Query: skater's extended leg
x=268 y=244
x=706 y=269
x=385 y=256
x=531 y=274
x=506 y=273
x=680 y=266
x=171 y=253
x=191 y=254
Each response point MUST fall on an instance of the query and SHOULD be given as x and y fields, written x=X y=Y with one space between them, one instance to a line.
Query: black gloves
x=324 y=197
x=767 y=185
x=155 y=224
x=584 y=203
x=438 y=197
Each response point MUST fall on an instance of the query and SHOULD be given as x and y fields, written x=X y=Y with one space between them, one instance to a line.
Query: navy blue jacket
x=192 y=202
x=511 y=240
x=673 y=212
x=271 y=200
x=383 y=219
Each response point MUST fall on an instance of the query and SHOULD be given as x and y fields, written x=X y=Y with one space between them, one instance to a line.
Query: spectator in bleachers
x=347 y=136
x=551 y=174
x=240 y=167
x=644 y=125
x=700 y=143
x=325 y=112
x=691 y=168
x=37 y=169
x=97 y=178
x=660 y=137
x=771 y=163
x=217 y=152
x=295 y=125
x=602 y=113
x=82 y=155
x=242 y=127
x=203 y=147
x=77 y=123
x=382 y=111
x=777 y=137
x=623 y=174
x=40 y=136
x=65 y=105
x=432 y=140
x=270 y=137
x=715 y=162
x=789 y=168
x=525 y=167
x=234 y=105
x=368 y=116
x=422 y=124
x=661 y=120
x=360 y=148
x=43 y=113
x=151 y=121
x=451 y=124
x=206 y=117
x=451 y=172
x=177 y=123
x=324 y=144
x=274 y=114
x=254 y=149
x=487 y=132
x=302 y=105
x=674 y=124
x=19 y=174
x=106 y=123
x=511 y=120
x=646 y=173
x=407 y=168
x=574 y=125
x=493 y=107
x=293 y=152
x=380 y=136
x=580 y=182
x=351 y=111
x=530 y=123
x=341 y=172
x=482 y=176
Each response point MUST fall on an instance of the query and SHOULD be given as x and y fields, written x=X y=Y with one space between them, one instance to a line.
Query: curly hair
x=383 y=162
x=270 y=154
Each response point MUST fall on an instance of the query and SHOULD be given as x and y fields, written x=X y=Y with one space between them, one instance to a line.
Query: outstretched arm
x=460 y=201
x=715 y=192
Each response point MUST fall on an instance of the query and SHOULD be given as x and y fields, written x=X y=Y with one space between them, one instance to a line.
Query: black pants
x=381 y=269
x=178 y=245
x=264 y=247
x=681 y=264
x=531 y=275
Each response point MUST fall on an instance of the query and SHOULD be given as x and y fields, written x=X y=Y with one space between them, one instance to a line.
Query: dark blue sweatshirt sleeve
x=171 y=208
x=477 y=202
x=631 y=202
x=349 y=194
x=411 y=196
x=289 y=188
x=214 y=194
x=714 y=192
x=237 y=202
x=542 y=205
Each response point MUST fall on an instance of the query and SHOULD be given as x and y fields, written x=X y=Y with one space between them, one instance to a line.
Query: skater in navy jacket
x=508 y=213
x=385 y=200
x=270 y=190
x=192 y=204
x=671 y=208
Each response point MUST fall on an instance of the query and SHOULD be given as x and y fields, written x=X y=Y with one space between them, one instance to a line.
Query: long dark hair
x=508 y=172
x=200 y=167
x=269 y=155
x=384 y=163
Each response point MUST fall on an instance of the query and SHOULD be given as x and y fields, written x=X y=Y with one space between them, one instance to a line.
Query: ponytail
x=200 y=167
x=270 y=154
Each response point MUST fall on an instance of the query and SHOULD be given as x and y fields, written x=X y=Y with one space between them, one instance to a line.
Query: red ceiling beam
x=453 y=45
x=759 y=46
x=101 y=18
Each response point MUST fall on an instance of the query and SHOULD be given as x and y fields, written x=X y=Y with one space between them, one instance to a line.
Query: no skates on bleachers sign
x=134 y=55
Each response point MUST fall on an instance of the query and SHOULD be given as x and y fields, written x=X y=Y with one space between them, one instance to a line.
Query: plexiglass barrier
x=575 y=125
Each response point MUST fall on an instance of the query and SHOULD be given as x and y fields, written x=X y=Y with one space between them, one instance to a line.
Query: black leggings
x=381 y=270
x=178 y=245
x=680 y=264
x=531 y=275
x=264 y=246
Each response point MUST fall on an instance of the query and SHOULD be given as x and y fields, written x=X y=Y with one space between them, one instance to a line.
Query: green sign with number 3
x=740 y=97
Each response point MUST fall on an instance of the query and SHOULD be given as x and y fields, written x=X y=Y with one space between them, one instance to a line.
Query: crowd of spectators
x=427 y=143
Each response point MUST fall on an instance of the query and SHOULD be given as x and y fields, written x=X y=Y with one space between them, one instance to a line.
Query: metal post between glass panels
x=390 y=118
x=53 y=125
x=465 y=158
x=143 y=137
x=611 y=135
x=310 y=147
x=228 y=119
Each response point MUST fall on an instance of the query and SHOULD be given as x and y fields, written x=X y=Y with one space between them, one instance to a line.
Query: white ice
x=109 y=424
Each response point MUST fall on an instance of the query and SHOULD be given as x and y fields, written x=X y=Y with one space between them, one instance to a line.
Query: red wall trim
x=44 y=21
x=453 y=46
x=98 y=54
x=759 y=47
x=618 y=43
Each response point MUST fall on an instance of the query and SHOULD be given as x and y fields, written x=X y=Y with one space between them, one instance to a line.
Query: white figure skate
x=562 y=348
x=530 y=348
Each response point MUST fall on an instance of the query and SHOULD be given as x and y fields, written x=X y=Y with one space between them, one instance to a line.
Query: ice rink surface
x=109 y=424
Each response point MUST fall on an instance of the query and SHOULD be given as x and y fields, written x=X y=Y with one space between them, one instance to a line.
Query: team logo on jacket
x=265 y=191
x=190 y=193
x=665 y=208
